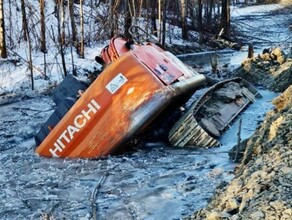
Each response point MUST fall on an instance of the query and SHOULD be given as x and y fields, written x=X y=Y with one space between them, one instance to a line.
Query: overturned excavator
x=139 y=81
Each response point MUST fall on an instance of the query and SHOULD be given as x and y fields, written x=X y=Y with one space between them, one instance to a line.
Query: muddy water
x=154 y=182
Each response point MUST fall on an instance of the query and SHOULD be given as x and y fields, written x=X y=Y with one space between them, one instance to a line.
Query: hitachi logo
x=79 y=122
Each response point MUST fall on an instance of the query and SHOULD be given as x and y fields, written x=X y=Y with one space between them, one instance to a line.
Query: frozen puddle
x=154 y=182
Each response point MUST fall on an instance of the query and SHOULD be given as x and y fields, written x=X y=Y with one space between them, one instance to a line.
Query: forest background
x=48 y=35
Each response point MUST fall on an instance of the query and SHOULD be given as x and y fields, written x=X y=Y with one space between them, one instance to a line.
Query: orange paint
x=132 y=90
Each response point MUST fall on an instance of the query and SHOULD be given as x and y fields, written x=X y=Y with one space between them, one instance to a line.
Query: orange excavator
x=139 y=81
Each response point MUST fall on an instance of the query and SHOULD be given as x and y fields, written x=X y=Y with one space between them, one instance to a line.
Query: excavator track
x=208 y=116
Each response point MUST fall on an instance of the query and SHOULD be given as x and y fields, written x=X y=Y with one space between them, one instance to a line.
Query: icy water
x=154 y=182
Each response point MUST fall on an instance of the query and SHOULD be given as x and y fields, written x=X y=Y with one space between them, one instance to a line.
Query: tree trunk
x=81 y=53
x=225 y=17
x=30 y=60
x=26 y=34
x=43 y=26
x=133 y=10
x=10 y=24
x=164 y=16
x=153 y=18
x=73 y=25
x=140 y=9
x=210 y=12
x=24 y=21
x=184 y=20
x=60 y=41
x=62 y=17
x=113 y=17
x=159 y=20
x=200 y=21
x=128 y=19
x=3 y=51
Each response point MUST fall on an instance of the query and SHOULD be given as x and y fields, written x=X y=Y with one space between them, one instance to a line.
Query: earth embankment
x=262 y=186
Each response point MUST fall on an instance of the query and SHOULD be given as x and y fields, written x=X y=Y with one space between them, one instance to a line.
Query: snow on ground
x=272 y=28
x=255 y=9
x=15 y=74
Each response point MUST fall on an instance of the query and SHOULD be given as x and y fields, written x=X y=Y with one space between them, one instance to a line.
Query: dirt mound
x=262 y=186
x=286 y=2
x=272 y=69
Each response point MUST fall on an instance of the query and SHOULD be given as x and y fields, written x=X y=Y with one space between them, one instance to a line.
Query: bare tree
x=43 y=33
x=128 y=18
x=24 y=21
x=200 y=20
x=72 y=34
x=184 y=19
x=3 y=51
x=164 y=17
x=73 y=25
x=113 y=17
x=81 y=52
x=30 y=59
x=61 y=40
x=62 y=23
x=43 y=26
x=159 y=19
x=153 y=18
x=27 y=38
x=225 y=17
x=209 y=11
x=10 y=23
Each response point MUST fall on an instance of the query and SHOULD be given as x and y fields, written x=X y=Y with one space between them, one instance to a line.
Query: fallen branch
x=95 y=194
x=31 y=109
